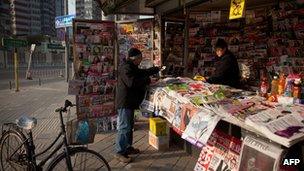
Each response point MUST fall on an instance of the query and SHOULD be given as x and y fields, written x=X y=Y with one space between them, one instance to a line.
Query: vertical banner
x=237 y=9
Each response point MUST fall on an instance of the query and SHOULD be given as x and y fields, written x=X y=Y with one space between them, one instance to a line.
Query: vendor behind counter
x=226 y=69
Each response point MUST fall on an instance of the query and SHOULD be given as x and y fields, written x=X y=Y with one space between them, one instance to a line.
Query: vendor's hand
x=163 y=68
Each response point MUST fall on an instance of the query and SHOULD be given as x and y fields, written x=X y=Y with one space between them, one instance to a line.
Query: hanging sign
x=237 y=8
x=64 y=21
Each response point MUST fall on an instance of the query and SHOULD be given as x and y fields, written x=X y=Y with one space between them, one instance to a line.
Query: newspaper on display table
x=201 y=127
x=259 y=155
x=180 y=99
x=281 y=124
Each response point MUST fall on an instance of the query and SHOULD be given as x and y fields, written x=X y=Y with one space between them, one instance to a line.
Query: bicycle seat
x=26 y=122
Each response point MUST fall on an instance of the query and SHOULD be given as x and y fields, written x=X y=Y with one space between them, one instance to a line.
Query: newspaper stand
x=94 y=80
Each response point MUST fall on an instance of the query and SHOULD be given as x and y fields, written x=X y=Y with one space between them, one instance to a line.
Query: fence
x=47 y=73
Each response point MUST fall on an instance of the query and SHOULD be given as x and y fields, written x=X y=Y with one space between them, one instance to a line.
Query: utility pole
x=66 y=54
x=16 y=70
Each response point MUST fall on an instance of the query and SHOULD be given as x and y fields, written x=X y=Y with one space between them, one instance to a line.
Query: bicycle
x=23 y=156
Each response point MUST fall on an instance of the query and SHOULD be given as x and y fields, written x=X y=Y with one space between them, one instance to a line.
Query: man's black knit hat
x=221 y=43
x=134 y=53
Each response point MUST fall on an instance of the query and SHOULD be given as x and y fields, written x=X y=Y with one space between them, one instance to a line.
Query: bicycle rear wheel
x=13 y=151
x=82 y=159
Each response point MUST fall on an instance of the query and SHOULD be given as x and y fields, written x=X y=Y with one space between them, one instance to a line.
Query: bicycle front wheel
x=82 y=159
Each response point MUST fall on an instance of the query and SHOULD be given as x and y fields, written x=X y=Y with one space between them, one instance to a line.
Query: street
x=39 y=76
x=41 y=102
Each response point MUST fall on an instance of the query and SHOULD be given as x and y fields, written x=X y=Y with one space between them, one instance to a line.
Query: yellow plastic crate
x=158 y=126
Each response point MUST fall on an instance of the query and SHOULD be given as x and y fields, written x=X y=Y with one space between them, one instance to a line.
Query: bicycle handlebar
x=67 y=104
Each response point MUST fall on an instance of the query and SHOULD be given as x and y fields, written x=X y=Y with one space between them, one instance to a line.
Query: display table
x=194 y=108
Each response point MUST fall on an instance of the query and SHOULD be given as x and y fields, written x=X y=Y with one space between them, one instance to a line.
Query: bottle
x=288 y=90
x=274 y=86
x=264 y=87
x=281 y=85
x=297 y=89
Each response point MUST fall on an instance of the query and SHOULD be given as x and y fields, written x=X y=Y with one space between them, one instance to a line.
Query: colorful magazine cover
x=226 y=153
x=206 y=154
x=221 y=153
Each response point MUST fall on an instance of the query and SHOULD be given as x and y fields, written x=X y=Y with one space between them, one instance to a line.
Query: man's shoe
x=123 y=158
x=132 y=150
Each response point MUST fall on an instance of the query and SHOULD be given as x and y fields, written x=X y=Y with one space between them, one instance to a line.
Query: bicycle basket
x=81 y=132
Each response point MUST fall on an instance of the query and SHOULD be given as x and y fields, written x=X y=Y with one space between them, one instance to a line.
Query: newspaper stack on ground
x=281 y=124
x=259 y=155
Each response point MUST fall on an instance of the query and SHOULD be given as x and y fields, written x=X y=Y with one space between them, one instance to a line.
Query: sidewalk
x=5 y=84
x=41 y=102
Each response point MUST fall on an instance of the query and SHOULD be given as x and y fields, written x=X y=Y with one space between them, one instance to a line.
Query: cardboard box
x=159 y=142
x=158 y=126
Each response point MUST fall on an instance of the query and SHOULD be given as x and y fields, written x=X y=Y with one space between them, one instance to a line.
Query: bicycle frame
x=31 y=148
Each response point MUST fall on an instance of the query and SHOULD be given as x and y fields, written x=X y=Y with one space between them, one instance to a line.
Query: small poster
x=237 y=9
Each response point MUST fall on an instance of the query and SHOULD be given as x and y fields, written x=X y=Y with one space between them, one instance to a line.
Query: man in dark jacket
x=130 y=92
x=226 y=69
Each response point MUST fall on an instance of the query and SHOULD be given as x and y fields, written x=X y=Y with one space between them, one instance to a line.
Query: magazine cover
x=206 y=154
x=177 y=118
x=226 y=153
x=158 y=99
x=221 y=153
x=75 y=87
x=201 y=127
x=259 y=155
x=188 y=111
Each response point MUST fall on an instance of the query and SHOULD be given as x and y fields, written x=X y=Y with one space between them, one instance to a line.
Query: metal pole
x=66 y=55
x=5 y=59
x=16 y=71
x=27 y=75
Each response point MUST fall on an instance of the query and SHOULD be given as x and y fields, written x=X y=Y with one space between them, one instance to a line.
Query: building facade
x=59 y=7
x=48 y=14
x=30 y=17
x=88 y=9
x=5 y=22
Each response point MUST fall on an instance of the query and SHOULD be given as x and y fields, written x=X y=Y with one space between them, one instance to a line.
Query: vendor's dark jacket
x=131 y=85
x=226 y=71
